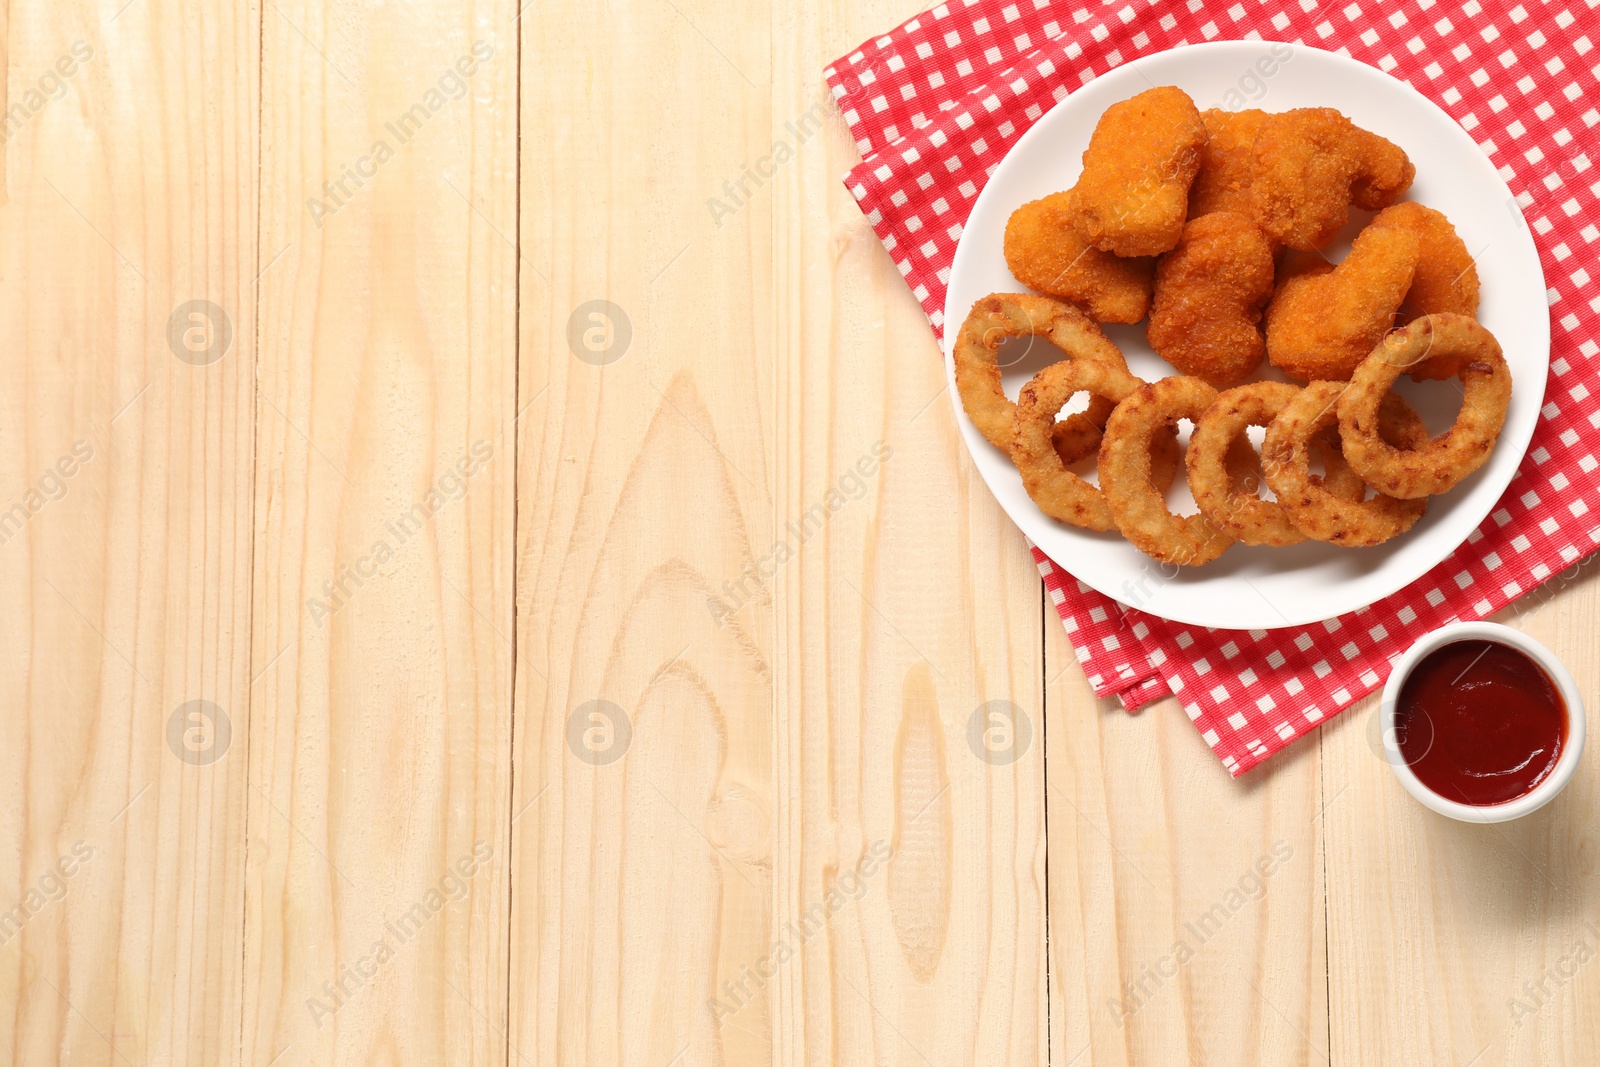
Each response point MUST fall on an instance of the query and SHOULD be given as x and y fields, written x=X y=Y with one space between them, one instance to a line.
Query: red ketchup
x=1480 y=723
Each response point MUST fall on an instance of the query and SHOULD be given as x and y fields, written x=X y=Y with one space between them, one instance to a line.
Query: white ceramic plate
x=1248 y=587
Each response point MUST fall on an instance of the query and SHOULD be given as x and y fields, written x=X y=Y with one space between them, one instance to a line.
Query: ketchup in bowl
x=1479 y=722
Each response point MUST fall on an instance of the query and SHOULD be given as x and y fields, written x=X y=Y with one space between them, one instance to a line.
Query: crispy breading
x=1210 y=291
x=1226 y=162
x=1046 y=252
x=1446 y=281
x=1292 y=263
x=1386 y=171
x=1320 y=326
x=1133 y=195
x=1434 y=466
x=1059 y=492
x=1137 y=506
x=1225 y=474
x=1000 y=316
x=1320 y=513
x=1311 y=164
x=1446 y=278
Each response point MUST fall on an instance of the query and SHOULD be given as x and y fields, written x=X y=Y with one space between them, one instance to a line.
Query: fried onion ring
x=1218 y=478
x=1060 y=493
x=1311 y=505
x=1223 y=466
x=1073 y=446
x=1001 y=316
x=1136 y=504
x=1437 y=465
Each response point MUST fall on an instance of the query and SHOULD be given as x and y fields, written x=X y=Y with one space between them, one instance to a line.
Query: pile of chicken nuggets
x=1210 y=225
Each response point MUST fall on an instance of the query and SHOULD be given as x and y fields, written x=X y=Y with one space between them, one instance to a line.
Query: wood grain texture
x=941 y=958
x=1186 y=908
x=912 y=719
x=124 y=533
x=622 y=662
x=643 y=846
x=827 y=748
x=1449 y=941
x=380 y=739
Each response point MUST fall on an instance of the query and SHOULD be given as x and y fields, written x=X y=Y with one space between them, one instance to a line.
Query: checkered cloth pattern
x=935 y=104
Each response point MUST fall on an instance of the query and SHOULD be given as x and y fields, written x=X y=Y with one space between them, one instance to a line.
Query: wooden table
x=495 y=580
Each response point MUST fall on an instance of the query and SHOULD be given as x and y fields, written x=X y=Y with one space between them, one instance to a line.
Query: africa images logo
x=751 y=583
x=454 y=886
x=398 y=532
x=353 y=177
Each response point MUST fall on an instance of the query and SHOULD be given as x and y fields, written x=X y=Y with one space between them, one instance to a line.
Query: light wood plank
x=131 y=192
x=644 y=850
x=1186 y=908
x=380 y=751
x=899 y=637
x=616 y=576
x=1452 y=941
x=780 y=838
x=900 y=621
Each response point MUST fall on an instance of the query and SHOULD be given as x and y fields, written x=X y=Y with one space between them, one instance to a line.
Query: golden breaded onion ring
x=1137 y=505
x=1320 y=514
x=1001 y=316
x=1060 y=493
x=1439 y=464
x=1215 y=459
x=1219 y=450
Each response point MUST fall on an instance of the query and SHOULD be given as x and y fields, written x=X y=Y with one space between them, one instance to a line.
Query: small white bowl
x=1542 y=793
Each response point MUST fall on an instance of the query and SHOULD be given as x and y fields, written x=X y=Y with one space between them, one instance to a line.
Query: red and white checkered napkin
x=935 y=104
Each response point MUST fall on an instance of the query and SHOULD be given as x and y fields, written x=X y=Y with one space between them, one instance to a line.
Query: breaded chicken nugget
x=1320 y=326
x=1292 y=263
x=1046 y=252
x=1210 y=290
x=1446 y=281
x=1311 y=164
x=1133 y=194
x=1446 y=278
x=1386 y=171
x=1226 y=162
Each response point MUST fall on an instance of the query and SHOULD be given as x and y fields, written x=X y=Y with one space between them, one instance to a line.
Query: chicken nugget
x=1292 y=263
x=1209 y=294
x=1446 y=281
x=1320 y=326
x=1046 y=252
x=1311 y=164
x=1385 y=173
x=1226 y=162
x=1133 y=195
